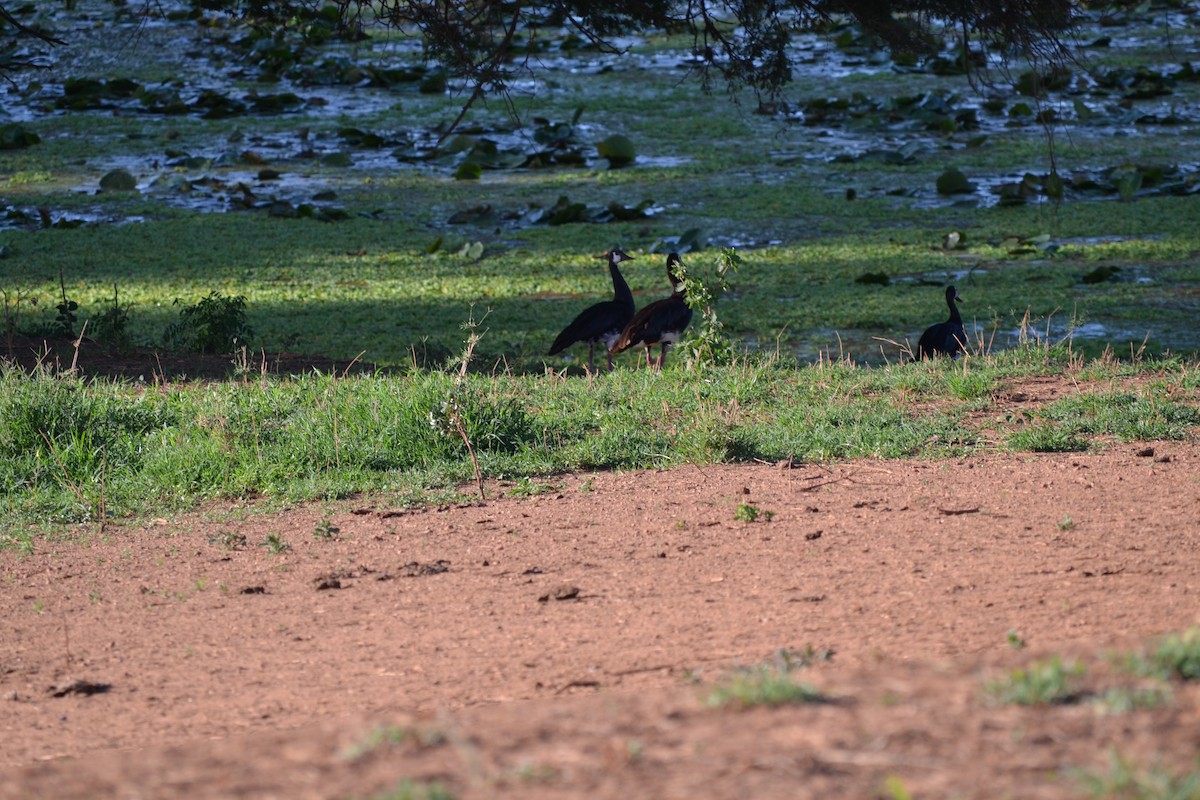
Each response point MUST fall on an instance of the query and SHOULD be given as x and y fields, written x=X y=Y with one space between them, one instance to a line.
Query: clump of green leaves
x=216 y=324
x=1175 y=656
x=1051 y=682
x=275 y=543
x=325 y=530
x=748 y=512
x=707 y=342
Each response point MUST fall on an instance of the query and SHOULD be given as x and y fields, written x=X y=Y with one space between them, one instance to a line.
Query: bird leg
x=662 y=356
x=648 y=364
x=591 y=352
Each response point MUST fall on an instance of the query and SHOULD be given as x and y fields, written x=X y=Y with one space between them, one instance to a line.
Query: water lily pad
x=15 y=136
x=118 y=180
x=953 y=181
x=617 y=149
x=1101 y=274
x=468 y=171
x=338 y=159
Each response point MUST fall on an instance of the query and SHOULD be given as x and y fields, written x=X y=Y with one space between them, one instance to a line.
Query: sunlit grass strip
x=76 y=451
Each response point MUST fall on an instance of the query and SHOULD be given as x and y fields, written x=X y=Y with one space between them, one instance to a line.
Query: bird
x=948 y=338
x=662 y=322
x=604 y=321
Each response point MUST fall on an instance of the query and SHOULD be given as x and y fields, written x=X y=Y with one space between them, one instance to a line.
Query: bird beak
x=957 y=299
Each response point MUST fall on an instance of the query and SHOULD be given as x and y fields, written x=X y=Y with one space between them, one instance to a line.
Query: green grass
x=74 y=451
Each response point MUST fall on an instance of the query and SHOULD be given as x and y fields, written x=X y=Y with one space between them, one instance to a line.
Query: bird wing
x=592 y=323
x=647 y=327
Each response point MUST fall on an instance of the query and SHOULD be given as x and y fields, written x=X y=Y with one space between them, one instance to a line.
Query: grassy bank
x=76 y=452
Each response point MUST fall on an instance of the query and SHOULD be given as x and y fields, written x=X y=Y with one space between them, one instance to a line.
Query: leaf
x=617 y=149
x=118 y=180
x=953 y=181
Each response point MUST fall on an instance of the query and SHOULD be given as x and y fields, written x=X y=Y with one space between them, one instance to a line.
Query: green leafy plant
x=748 y=512
x=1042 y=683
x=275 y=543
x=112 y=326
x=215 y=324
x=767 y=684
x=325 y=530
x=707 y=342
x=1175 y=656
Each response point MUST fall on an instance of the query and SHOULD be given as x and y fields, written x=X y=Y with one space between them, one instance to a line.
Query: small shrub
x=216 y=324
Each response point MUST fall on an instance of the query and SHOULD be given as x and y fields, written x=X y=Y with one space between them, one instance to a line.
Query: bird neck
x=621 y=291
x=954 y=315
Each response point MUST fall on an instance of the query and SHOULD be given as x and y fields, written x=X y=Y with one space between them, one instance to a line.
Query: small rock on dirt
x=564 y=591
x=78 y=686
x=415 y=569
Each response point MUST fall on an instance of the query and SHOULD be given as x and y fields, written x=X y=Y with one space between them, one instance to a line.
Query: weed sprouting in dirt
x=325 y=530
x=1049 y=682
x=227 y=540
x=748 y=512
x=275 y=544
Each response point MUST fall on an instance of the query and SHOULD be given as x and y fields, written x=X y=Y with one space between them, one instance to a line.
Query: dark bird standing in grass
x=662 y=322
x=602 y=322
x=948 y=338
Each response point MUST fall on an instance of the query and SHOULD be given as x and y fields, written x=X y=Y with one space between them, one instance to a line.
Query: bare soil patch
x=563 y=644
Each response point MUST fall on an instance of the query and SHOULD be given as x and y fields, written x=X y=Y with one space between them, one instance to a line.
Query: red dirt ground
x=433 y=645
